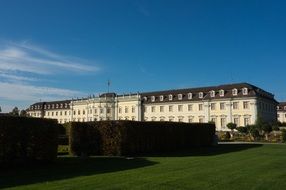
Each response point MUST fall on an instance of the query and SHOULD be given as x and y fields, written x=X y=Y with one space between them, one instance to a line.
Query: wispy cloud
x=23 y=66
x=29 y=58
x=25 y=92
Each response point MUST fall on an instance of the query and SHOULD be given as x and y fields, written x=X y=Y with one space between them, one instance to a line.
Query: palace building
x=281 y=112
x=239 y=103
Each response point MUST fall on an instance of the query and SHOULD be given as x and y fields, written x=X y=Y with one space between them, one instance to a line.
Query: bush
x=242 y=130
x=27 y=139
x=284 y=135
x=227 y=135
x=131 y=138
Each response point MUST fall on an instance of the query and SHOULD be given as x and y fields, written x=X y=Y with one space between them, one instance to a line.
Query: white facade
x=237 y=103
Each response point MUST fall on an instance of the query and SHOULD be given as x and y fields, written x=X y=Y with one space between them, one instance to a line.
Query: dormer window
x=201 y=95
x=170 y=97
x=161 y=98
x=221 y=93
x=284 y=107
x=180 y=96
x=53 y=106
x=190 y=96
x=278 y=108
x=234 y=92
x=61 y=105
x=57 y=106
x=152 y=98
x=212 y=93
x=145 y=98
x=244 y=91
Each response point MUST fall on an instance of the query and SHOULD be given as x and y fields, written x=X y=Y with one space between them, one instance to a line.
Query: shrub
x=27 y=139
x=227 y=136
x=242 y=130
x=131 y=138
x=284 y=135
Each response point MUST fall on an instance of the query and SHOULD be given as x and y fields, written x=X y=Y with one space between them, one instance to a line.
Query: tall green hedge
x=25 y=139
x=131 y=137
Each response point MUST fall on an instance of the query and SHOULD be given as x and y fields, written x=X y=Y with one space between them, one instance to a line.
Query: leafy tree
x=0 y=109
x=15 y=111
x=23 y=113
x=243 y=130
x=253 y=131
x=231 y=126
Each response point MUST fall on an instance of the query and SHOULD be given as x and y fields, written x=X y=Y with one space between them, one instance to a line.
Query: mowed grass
x=243 y=166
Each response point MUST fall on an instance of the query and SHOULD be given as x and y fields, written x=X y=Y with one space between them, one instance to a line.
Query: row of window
x=50 y=106
x=223 y=121
x=126 y=109
x=235 y=106
x=200 y=94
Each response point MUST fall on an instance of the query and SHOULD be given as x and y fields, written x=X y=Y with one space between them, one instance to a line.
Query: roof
x=253 y=91
x=281 y=106
x=62 y=104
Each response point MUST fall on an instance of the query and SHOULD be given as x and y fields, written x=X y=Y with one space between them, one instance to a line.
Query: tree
x=231 y=126
x=0 y=109
x=266 y=129
x=23 y=113
x=15 y=111
x=242 y=130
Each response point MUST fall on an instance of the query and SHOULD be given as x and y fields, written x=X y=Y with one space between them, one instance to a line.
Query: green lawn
x=232 y=167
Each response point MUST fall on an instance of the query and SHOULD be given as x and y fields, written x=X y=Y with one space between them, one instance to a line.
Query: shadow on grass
x=67 y=167
x=205 y=151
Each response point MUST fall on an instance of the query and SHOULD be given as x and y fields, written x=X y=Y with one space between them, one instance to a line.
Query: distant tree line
x=16 y=112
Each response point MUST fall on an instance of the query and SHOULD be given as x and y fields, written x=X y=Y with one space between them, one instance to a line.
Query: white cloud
x=23 y=66
x=25 y=92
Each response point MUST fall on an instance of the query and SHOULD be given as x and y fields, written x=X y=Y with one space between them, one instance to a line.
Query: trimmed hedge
x=24 y=139
x=132 y=137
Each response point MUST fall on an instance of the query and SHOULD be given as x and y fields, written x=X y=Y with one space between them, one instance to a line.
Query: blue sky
x=61 y=49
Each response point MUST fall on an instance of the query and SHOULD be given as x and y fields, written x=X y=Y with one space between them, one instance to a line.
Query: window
x=245 y=105
x=133 y=119
x=83 y=112
x=161 y=108
x=133 y=109
x=170 y=97
x=61 y=105
x=235 y=105
x=222 y=106
x=119 y=110
x=190 y=107
x=221 y=93
x=190 y=120
x=180 y=119
x=95 y=111
x=234 y=92
x=153 y=119
x=180 y=108
x=101 y=111
x=213 y=120
x=223 y=123
x=152 y=98
x=65 y=112
x=52 y=113
x=200 y=107
x=161 y=98
x=201 y=120
x=61 y=113
x=57 y=106
x=108 y=110
x=190 y=96
x=78 y=112
x=171 y=119
x=153 y=109
x=212 y=93
x=246 y=121
x=180 y=96
x=201 y=95
x=162 y=118
x=244 y=91
x=145 y=108
x=126 y=109
x=213 y=106
x=170 y=108
x=236 y=121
